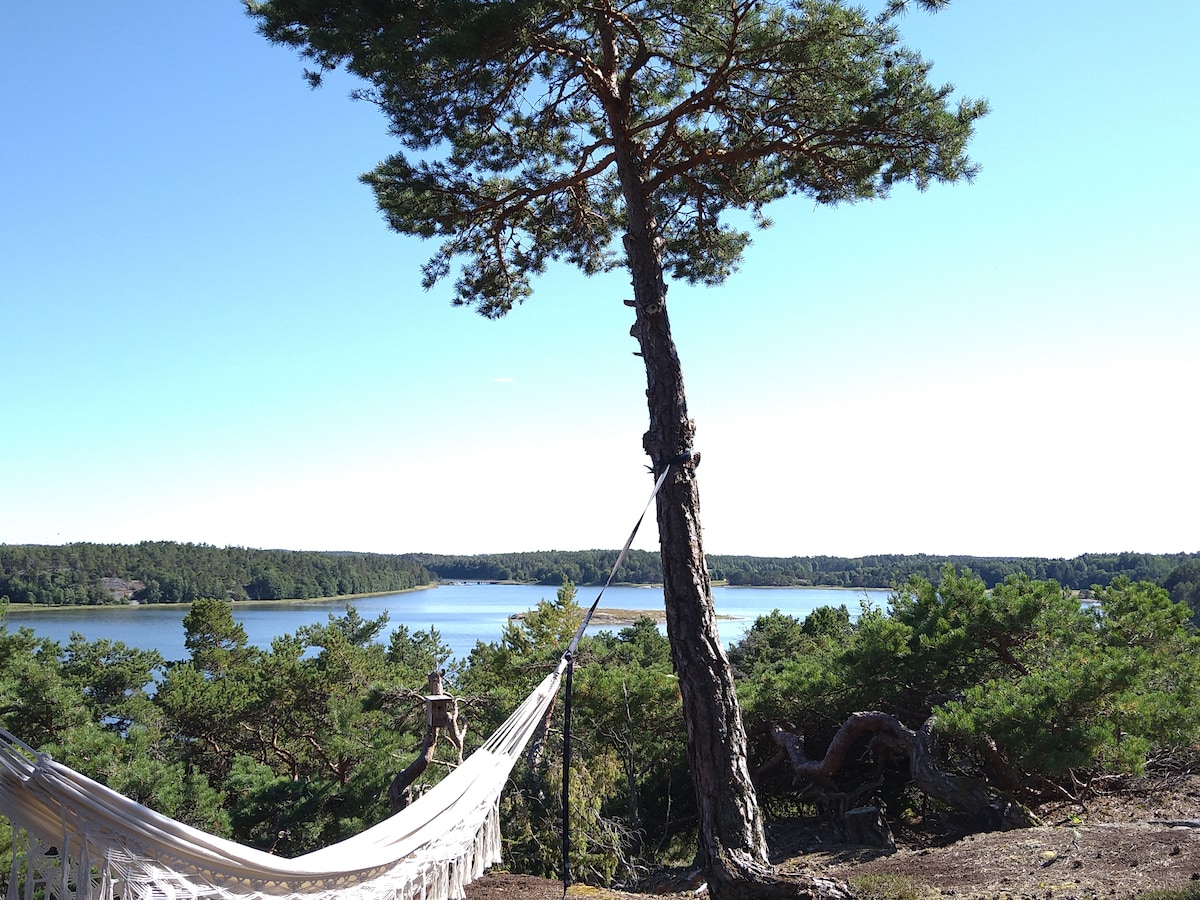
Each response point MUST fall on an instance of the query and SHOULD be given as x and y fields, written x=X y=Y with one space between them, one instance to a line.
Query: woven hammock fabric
x=79 y=840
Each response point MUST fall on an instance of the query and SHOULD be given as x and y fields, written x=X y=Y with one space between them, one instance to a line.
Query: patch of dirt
x=503 y=886
x=1117 y=846
x=1121 y=844
x=1084 y=861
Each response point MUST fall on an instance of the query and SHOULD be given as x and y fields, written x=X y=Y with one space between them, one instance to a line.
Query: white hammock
x=79 y=840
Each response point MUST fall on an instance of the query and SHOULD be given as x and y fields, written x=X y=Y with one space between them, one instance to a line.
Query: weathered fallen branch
x=891 y=738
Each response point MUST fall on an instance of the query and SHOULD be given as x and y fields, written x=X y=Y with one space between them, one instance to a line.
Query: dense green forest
x=642 y=567
x=167 y=572
x=1024 y=693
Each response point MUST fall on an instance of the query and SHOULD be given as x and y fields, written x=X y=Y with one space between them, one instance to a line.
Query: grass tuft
x=889 y=887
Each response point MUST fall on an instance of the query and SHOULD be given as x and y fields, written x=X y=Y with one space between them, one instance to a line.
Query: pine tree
x=624 y=135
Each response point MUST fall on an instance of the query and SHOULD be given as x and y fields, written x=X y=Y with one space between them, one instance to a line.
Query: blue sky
x=209 y=335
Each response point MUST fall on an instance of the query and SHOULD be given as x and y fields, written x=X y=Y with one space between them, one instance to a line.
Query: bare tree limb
x=889 y=736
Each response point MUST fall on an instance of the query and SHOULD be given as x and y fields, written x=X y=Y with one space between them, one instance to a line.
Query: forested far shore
x=881 y=571
x=169 y=572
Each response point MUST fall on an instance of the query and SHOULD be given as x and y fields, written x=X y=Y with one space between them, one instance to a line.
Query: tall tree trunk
x=733 y=843
x=716 y=740
x=733 y=846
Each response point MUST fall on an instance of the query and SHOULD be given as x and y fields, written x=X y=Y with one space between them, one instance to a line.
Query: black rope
x=569 y=657
x=566 y=783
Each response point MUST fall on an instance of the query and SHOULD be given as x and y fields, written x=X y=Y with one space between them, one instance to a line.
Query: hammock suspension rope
x=569 y=660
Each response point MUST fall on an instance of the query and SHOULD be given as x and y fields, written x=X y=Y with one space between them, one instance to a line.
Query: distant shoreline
x=608 y=616
x=49 y=607
x=657 y=585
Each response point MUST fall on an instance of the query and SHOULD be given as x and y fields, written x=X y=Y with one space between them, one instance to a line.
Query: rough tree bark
x=399 y=793
x=733 y=847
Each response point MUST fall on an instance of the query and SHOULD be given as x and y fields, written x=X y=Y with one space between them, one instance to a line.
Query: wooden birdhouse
x=438 y=704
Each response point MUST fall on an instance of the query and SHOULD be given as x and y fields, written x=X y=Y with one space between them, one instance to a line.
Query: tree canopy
x=514 y=117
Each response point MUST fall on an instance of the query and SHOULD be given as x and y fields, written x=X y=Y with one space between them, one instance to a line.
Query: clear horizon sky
x=210 y=336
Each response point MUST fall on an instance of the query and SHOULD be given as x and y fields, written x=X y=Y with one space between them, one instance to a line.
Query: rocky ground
x=1122 y=844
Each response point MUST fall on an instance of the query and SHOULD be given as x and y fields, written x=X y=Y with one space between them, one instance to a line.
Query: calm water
x=462 y=613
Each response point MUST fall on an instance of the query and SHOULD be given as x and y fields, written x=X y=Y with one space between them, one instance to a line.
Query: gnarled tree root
x=737 y=877
x=890 y=736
